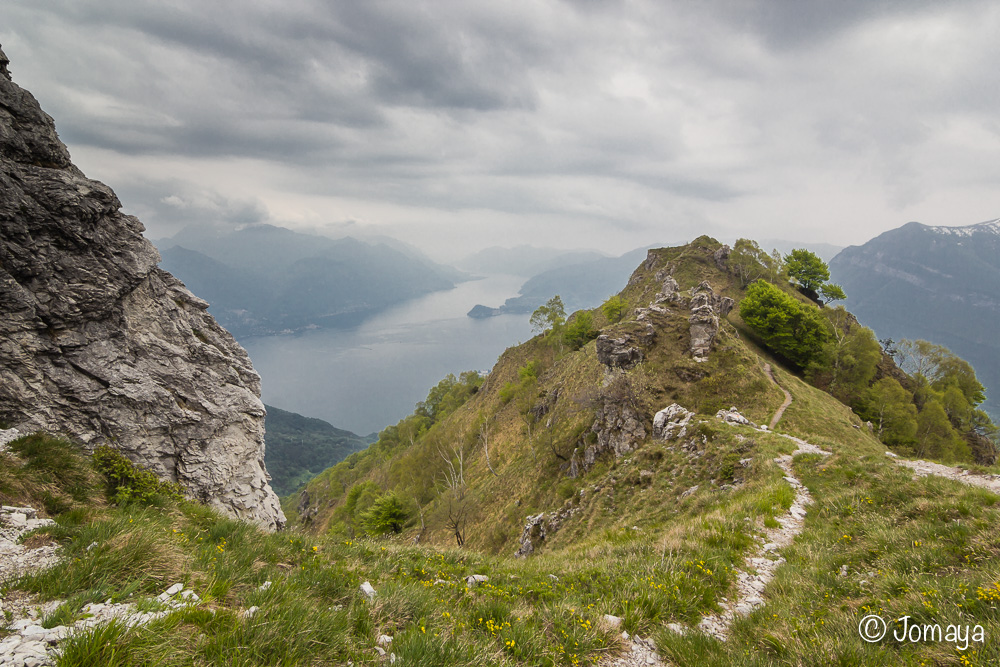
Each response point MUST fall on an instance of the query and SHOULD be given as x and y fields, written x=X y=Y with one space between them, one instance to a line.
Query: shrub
x=387 y=515
x=614 y=309
x=129 y=483
x=793 y=330
x=580 y=330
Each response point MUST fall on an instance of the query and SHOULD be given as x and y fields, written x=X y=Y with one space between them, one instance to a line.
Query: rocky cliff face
x=99 y=344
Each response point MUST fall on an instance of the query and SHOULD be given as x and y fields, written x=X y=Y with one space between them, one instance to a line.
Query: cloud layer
x=458 y=125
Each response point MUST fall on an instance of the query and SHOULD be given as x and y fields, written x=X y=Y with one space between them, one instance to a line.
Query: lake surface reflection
x=365 y=378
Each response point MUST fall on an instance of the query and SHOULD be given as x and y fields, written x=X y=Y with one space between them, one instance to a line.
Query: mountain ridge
x=931 y=282
x=265 y=280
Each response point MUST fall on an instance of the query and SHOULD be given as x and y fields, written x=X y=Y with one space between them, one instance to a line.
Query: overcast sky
x=594 y=123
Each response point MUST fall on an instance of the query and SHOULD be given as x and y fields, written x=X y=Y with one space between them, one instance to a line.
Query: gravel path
x=785 y=404
x=766 y=561
x=923 y=468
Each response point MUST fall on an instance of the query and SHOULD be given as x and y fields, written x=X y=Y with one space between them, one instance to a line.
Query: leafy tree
x=778 y=269
x=386 y=515
x=549 y=317
x=448 y=395
x=749 y=262
x=941 y=368
x=580 y=330
x=792 y=329
x=614 y=309
x=359 y=500
x=830 y=293
x=807 y=269
x=891 y=410
x=850 y=359
x=935 y=435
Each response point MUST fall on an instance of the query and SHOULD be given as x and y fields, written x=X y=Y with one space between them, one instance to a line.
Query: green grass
x=635 y=547
x=48 y=474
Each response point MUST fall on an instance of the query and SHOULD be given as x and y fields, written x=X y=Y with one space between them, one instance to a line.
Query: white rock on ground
x=367 y=590
x=476 y=579
x=29 y=644
x=641 y=653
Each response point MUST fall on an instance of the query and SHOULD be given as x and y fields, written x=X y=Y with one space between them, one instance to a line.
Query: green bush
x=508 y=391
x=614 y=309
x=387 y=515
x=580 y=330
x=128 y=483
x=792 y=329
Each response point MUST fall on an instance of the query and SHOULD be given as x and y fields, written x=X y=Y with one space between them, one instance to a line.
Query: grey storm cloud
x=820 y=120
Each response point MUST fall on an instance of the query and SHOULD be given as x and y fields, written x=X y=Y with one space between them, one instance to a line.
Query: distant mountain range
x=580 y=285
x=523 y=260
x=298 y=448
x=941 y=284
x=263 y=280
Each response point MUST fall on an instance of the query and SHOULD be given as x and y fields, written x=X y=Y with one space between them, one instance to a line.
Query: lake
x=368 y=377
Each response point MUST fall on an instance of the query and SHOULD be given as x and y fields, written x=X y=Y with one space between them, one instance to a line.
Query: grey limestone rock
x=619 y=429
x=670 y=292
x=721 y=256
x=706 y=309
x=532 y=533
x=617 y=352
x=733 y=416
x=100 y=345
x=671 y=422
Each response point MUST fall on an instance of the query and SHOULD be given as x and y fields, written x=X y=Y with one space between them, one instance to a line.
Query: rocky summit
x=100 y=345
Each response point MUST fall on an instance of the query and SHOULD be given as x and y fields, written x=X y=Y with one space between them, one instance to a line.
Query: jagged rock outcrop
x=619 y=429
x=721 y=256
x=706 y=309
x=533 y=533
x=99 y=344
x=671 y=422
x=539 y=526
x=618 y=352
x=670 y=292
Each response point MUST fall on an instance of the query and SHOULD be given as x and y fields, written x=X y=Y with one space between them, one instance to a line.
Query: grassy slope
x=530 y=475
x=637 y=545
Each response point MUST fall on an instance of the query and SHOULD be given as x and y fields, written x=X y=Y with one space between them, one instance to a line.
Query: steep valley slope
x=602 y=505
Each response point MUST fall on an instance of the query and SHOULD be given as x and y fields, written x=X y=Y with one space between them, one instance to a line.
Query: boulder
x=476 y=579
x=99 y=345
x=367 y=590
x=733 y=416
x=671 y=422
